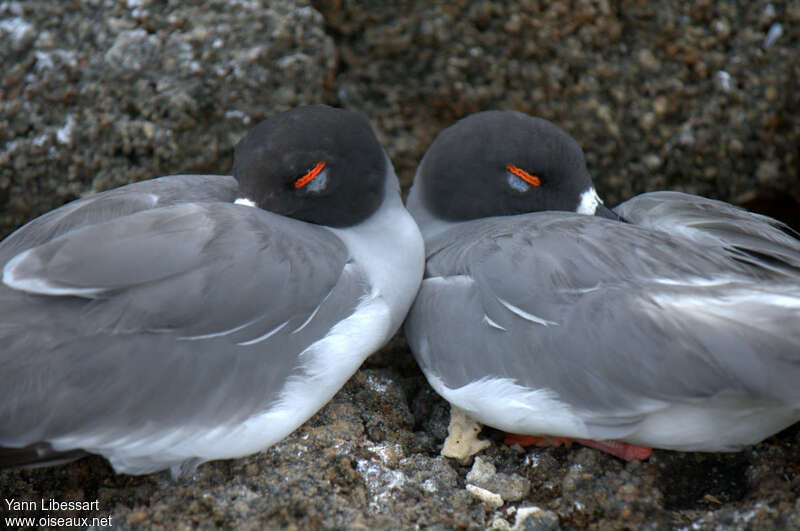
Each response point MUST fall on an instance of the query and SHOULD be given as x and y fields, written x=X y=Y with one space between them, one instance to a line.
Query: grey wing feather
x=760 y=240
x=122 y=201
x=189 y=300
x=583 y=306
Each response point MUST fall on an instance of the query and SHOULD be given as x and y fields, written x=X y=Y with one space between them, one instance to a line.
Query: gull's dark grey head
x=316 y=163
x=497 y=163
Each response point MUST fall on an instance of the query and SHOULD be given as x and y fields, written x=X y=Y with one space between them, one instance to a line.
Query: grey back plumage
x=581 y=305
x=104 y=206
x=171 y=298
x=760 y=240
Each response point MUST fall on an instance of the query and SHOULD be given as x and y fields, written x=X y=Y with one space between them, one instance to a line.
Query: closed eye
x=520 y=180
x=314 y=173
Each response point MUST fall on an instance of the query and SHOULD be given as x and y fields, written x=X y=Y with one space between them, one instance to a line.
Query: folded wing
x=616 y=320
x=126 y=325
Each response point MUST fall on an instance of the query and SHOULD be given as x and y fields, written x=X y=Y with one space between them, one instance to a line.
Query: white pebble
x=495 y=501
x=774 y=33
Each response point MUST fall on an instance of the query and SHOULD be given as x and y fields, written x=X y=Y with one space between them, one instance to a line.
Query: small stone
x=22 y=32
x=735 y=145
x=462 y=436
x=774 y=33
x=514 y=24
x=652 y=161
x=660 y=106
x=768 y=14
x=722 y=27
x=137 y=516
x=767 y=172
x=793 y=12
x=241 y=507
x=724 y=80
x=686 y=136
x=500 y=524
x=133 y=50
x=482 y=471
x=649 y=61
x=647 y=121
x=535 y=519
x=495 y=501
x=511 y=487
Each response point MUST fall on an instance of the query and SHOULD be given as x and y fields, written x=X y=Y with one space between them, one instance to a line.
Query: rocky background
x=697 y=96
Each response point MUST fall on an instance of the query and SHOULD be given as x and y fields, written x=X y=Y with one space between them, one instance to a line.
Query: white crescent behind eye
x=589 y=202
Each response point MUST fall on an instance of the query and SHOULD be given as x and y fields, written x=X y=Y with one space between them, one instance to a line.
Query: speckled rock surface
x=697 y=96
x=105 y=92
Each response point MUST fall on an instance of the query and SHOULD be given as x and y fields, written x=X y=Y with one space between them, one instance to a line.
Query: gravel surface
x=696 y=96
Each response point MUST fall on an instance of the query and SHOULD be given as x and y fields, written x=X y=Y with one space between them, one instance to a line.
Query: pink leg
x=623 y=450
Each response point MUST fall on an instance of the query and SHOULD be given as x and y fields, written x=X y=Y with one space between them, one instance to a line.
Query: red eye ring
x=309 y=176
x=533 y=180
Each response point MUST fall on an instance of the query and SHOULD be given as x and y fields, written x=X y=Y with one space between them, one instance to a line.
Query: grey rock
x=510 y=487
x=482 y=471
x=19 y=32
x=535 y=519
x=142 y=89
x=597 y=69
x=133 y=51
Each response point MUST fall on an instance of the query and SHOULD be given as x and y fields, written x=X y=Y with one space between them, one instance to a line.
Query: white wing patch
x=14 y=279
x=217 y=334
x=314 y=313
x=491 y=323
x=736 y=304
x=266 y=336
x=693 y=281
x=738 y=308
x=310 y=317
x=451 y=280
x=244 y=202
x=525 y=315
